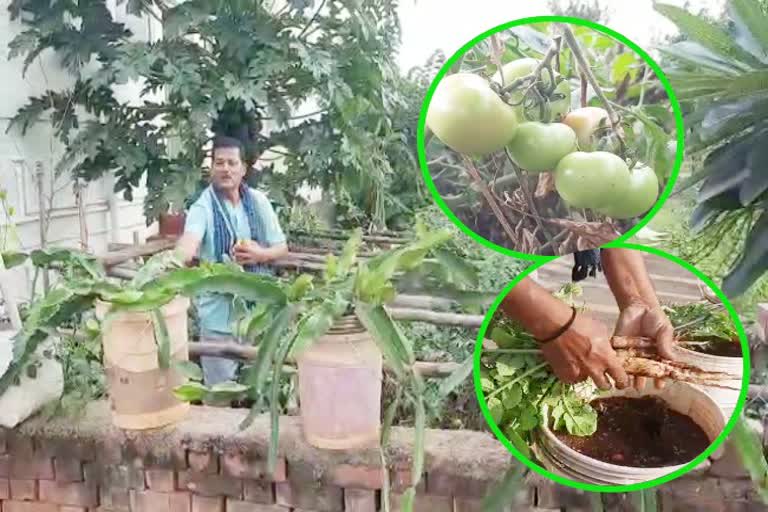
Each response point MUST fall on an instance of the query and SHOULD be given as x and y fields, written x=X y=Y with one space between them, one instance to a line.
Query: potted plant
x=613 y=437
x=339 y=332
x=182 y=185
x=143 y=326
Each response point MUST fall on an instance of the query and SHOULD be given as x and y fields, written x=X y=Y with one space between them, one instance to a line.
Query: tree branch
x=311 y=20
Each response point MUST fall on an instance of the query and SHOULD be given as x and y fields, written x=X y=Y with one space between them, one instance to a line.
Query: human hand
x=640 y=319
x=584 y=350
x=249 y=252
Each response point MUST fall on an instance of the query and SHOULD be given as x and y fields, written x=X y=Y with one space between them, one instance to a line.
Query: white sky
x=449 y=24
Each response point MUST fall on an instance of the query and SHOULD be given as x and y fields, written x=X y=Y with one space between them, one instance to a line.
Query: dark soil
x=719 y=347
x=640 y=432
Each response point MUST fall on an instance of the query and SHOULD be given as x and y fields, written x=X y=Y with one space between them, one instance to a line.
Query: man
x=229 y=222
x=578 y=346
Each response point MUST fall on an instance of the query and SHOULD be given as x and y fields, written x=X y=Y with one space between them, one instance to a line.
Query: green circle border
x=731 y=423
x=421 y=149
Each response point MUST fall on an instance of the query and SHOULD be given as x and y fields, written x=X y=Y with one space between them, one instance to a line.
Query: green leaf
x=349 y=253
x=269 y=347
x=162 y=339
x=419 y=431
x=507 y=365
x=13 y=259
x=189 y=370
x=623 y=64
x=457 y=377
x=250 y=287
x=645 y=500
x=750 y=448
x=751 y=14
x=300 y=287
x=507 y=491
x=753 y=262
x=496 y=409
x=512 y=397
x=191 y=392
x=227 y=391
x=459 y=270
x=708 y=34
x=396 y=348
x=316 y=322
x=331 y=269
x=529 y=419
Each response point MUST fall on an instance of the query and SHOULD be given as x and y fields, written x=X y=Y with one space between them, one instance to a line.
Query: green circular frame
x=614 y=488
x=421 y=149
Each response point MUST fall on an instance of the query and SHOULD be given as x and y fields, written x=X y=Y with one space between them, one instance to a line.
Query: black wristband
x=562 y=330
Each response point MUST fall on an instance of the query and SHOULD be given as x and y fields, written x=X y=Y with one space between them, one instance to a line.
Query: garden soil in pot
x=640 y=432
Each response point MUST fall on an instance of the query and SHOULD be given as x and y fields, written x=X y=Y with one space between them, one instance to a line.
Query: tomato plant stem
x=473 y=172
x=573 y=44
x=553 y=50
x=530 y=200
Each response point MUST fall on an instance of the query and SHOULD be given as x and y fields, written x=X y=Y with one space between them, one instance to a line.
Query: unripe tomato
x=640 y=196
x=523 y=67
x=591 y=180
x=538 y=147
x=469 y=117
x=585 y=121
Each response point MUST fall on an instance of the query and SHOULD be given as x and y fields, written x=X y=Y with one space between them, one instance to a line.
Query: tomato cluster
x=468 y=115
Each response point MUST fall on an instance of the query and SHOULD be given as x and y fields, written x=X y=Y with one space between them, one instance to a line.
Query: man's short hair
x=227 y=142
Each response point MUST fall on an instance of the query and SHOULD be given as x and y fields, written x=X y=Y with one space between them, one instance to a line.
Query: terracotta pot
x=172 y=224
x=340 y=388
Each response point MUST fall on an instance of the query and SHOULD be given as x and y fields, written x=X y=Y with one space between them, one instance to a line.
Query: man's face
x=228 y=169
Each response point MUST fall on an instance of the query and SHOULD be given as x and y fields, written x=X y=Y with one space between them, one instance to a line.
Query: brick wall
x=206 y=464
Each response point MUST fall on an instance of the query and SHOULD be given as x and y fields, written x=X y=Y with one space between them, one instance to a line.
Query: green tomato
x=519 y=68
x=591 y=180
x=640 y=196
x=538 y=147
x=469 y=117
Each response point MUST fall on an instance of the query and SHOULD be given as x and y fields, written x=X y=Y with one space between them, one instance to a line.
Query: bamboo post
x=43 y=224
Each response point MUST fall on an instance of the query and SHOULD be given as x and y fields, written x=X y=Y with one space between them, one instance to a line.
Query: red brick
x=20 y=446
x=203 y=504
x=23 y=490
x=115 y=499
x=210 y=485
x=552 y=495
x=203 y=462
x=445 y=484
x=283 y=494
x=74 y=493
x=689 y=494
x=5 y=489
x=359 y=500
x=358 y=477
x=161 y=480
x=151 y=501
x=181 y=502
x=31 y=467
x=259 y=491
x=423 y=503
x=400 y=481
x=247 y=506
x=5 y=466
x=72 y=509
x=68 y=470
x=733 y=490
x=240 y=465
x=307 y=491
x=28 y=506
x=119 y=476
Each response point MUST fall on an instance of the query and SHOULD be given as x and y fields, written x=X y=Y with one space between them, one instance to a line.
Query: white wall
x=20 y=157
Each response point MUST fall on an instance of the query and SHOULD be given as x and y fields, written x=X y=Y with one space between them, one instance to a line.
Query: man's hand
x=639 y=319
x=584 y=350
x=249 y=252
